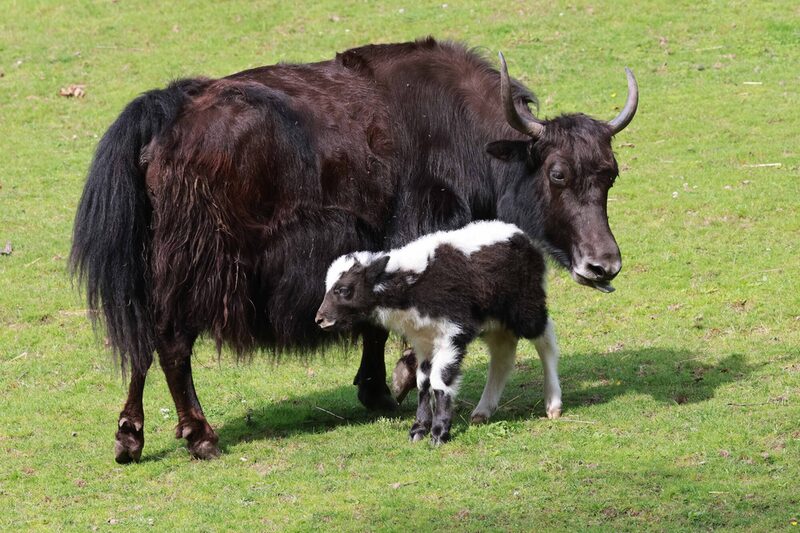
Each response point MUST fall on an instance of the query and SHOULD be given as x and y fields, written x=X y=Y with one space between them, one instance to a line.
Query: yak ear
x=376 y=269
x=508 y=150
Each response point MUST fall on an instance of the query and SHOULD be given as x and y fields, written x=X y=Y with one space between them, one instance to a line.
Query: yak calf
x=440 y=292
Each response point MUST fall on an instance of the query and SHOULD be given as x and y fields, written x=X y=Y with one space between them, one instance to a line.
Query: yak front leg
x=130 y=429
x=373 y=392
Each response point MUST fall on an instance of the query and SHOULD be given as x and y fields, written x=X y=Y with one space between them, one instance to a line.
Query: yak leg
x=502 y=351
x=424 y=419
x=373 y=392
x=130 y=431
x=175 y=354
x=547 y=347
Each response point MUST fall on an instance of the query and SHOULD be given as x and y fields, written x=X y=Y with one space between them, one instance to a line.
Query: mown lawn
x=681 y=389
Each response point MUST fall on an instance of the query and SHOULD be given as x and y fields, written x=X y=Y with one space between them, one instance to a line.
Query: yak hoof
x=377 y=398
x=129 y=441
x=204 y=449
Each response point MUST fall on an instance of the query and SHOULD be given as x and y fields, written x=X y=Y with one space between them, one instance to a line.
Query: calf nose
x=324 y=322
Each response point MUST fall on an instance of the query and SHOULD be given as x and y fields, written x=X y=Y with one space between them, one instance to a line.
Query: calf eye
x=344 y=292
x=556 y=176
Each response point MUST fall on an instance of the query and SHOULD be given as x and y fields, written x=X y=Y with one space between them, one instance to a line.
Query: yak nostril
x=598 y=271
x=319 y=320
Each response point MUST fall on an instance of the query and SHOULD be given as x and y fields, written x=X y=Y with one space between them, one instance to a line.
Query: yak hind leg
x=175 y=354
x=130 y=429
x=373 y=392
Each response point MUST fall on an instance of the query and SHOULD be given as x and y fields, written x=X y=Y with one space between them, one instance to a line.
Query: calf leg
x=130 y=430
x=445 y=379
x=175 y=355
x=442 y=416
x=502 y=351
x=547 y=347
x=373 y=392
x=422 y=423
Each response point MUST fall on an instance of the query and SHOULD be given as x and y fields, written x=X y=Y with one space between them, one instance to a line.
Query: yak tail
x=111 y=241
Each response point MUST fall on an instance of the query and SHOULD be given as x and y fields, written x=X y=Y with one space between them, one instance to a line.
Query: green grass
x=681 y=389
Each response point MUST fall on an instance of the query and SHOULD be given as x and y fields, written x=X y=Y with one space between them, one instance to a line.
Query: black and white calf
x=441 y=291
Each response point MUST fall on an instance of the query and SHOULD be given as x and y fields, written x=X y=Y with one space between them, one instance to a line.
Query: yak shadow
x=669 y=376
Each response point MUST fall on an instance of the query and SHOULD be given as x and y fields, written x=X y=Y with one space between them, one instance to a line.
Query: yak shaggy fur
x=215 y=205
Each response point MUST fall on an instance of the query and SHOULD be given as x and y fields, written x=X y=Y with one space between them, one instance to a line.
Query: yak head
x=561 y=175
x=350 y=295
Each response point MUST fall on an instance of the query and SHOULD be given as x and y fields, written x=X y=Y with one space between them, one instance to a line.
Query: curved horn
x=521 y=124
x=626 y=115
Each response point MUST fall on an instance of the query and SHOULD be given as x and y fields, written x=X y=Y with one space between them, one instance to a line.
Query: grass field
x=681 y=389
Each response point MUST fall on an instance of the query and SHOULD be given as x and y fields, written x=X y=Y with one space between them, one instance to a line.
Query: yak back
x=444 y=104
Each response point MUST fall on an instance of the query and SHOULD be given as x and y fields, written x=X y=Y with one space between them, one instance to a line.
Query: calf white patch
x=432 y=339
x=344 y=263
x=416 y=255
x=445 y=354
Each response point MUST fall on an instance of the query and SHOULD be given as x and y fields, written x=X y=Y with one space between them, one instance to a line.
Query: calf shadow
x=668 y=376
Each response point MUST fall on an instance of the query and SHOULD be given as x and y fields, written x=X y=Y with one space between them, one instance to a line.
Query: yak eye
x=556 y=176
x=344 y=292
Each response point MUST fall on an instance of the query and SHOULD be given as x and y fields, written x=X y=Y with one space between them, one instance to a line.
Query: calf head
x=559 y=184
x=350 y=291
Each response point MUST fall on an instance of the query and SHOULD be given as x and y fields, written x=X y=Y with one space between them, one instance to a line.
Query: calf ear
x=508 y=150
x=376 y=269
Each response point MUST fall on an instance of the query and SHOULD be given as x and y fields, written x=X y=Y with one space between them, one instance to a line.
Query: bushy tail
x=111 y=241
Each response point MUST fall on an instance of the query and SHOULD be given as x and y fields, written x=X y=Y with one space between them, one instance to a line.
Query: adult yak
x=216 y=205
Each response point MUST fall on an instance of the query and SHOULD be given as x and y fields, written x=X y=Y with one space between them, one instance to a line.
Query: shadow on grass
x=668 y=376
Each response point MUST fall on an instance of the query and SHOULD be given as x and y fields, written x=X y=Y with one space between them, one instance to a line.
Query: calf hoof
x=417 y=432
x=376 y=397
x=439 y=437
x=204 y=449
x=129 y=440
x=553 y=412
x=478 y=419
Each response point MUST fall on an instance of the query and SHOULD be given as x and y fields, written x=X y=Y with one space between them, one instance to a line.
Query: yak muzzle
x=597 y=273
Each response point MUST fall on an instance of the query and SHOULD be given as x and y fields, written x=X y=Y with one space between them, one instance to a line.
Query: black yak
x=215 y=206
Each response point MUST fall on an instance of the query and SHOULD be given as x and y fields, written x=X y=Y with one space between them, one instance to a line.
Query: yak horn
x=626 y=115
x=523 y=125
